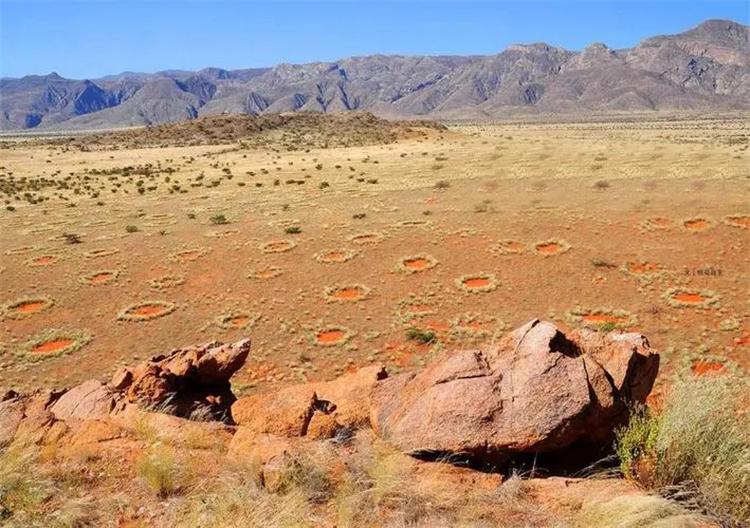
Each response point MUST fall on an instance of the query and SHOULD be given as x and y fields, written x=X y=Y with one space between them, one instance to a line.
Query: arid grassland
x=335 y=243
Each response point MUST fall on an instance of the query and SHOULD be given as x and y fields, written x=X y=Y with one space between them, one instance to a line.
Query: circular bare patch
x=738 y=220
x=417 y=263
x=54 y=342
x=346 y=293
x=551 y=248
x=679 y=297
x=477 y=283
x=42 y=261
x=654 y=224
x=167 y=281
x=335 y=256
x=278 y=246
x=508 y=247
x=26 y=307
x=266 y=273
x=188 y=255
x=146 y=310
x=363 y=239
x=100 y=277
x=331 y=336
x=237 y=319
x=696 y=224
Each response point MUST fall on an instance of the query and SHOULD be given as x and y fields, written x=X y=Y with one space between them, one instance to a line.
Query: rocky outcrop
x=537 y=391
x=316 y=410
x=188 y=382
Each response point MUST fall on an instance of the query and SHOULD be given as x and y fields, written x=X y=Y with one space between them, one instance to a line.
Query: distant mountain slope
x=704 y=68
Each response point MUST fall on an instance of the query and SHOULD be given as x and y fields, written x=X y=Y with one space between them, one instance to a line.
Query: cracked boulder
x=538 y=391
x=189 y=382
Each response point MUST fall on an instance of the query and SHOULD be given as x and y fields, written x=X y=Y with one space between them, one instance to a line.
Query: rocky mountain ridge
x=706 y=68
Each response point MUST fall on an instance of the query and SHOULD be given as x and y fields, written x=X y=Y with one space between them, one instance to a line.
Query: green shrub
x=131 y=229
x=699 y=443
x=219 y=219
x=422 y=336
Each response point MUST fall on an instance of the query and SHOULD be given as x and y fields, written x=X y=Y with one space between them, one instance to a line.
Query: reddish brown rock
x=89 y=400
x=316 y=409
x=538 y=391
x=192 y=381
x=11 y=414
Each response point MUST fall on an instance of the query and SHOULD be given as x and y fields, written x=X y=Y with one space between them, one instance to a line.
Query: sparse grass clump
x=698 y=443
x=219 y=219
x=158 y=470
x=421 y=336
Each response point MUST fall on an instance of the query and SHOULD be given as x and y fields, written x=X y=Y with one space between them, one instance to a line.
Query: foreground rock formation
x=537 y=391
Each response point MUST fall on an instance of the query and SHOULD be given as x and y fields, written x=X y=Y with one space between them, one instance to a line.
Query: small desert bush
x=22 y=492
x=158 y=470
x=637 y=510
x=698 y=443
x=293 y=230
x=238 y=499
x=219 y=219
x=421 y=336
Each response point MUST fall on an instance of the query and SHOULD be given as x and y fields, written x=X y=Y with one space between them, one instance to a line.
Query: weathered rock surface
x=538 y=391
x=318 y=410
x=188 y=381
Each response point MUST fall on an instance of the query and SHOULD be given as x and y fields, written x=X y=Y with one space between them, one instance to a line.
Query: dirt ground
x=464 y=233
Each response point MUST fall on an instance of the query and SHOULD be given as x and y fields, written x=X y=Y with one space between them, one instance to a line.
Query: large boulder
x=537 y=391
x=317 y=410
x=188 y=382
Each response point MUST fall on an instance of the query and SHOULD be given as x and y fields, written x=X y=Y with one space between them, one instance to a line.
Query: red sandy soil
x=147 y=310
x=515 y=247
x=417 y=264
x=688 y=297
x=696 y=225
x=30 y=307
x=364 y=239
x=44 y=261
x=743 y=221
x=598 y=224
x=348 y=294
x=662 y=222
x=267 y=273
x=646 y=267
x=189 y=256
x=548 y=249
x=330 y=336
x=477 y=282
x=53 y=346
x=239 y=321
x=101 y=278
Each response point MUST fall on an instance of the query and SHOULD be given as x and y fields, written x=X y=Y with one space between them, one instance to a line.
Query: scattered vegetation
x=697 y=445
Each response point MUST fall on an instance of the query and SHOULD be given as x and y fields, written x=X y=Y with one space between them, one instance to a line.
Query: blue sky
x=93 y=38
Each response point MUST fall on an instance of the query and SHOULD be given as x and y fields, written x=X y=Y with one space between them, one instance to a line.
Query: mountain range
x=706 y=68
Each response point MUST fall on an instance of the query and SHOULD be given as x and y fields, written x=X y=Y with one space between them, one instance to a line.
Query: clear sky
x=89 y=39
